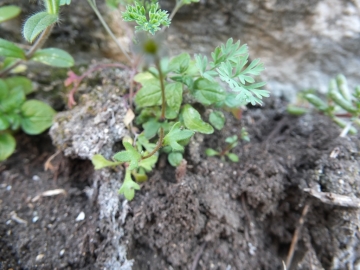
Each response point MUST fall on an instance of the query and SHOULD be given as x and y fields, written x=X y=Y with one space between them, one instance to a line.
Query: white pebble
x=39 y=257
x=62 y=252
x=8 y=188
x=36 y=178
x=80 y=217
x=34 y=219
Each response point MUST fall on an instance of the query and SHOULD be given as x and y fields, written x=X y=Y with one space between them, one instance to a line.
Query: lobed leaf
x=192 y=120
x=129 y=186
x=207 y=92
x=100 y=162
x=217 y=119
x=175 y=136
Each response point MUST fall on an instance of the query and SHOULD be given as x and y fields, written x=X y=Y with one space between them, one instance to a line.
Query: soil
x=210 y=214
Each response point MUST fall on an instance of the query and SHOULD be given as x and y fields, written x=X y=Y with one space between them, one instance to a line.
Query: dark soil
x=220 y=215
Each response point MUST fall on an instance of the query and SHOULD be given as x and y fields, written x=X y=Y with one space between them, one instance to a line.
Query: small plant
x=232 y=142
x=32 y=116
x=175 y=91
x=339 y=104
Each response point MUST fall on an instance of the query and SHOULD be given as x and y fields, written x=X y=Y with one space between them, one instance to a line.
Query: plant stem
x=161 y=78
x=163 y=106
x=107 y=28
x=37 y=45
x=158 y=146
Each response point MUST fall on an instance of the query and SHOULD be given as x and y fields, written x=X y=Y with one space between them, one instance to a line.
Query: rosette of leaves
x=32 y=116
x=232 y=142
x=340 y=104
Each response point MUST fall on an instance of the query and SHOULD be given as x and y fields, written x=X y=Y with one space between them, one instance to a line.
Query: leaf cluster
x=32 y=116
x=148 y=20
x=339 y=104
x=230 y=64
x=16 y=112
x=232 y=142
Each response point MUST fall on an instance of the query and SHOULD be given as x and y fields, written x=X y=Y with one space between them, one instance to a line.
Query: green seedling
x=232 y=142
x=175 y=91
x=342 y=106
x=32 y=116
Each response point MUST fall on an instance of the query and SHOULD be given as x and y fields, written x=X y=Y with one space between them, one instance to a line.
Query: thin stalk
x=163 y=106
x=158 y=146
x=37 y=45
x=163 y=101
x=107 y=28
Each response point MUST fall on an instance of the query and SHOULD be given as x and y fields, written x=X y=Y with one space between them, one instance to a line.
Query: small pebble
x=39 y=257
x=62 y=252
x=80 y=217
x=36 y=178
x=34 y=219
x=8 y=188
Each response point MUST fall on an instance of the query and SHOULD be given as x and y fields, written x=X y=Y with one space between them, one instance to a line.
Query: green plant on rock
x=32 y=116
x=340 y=104
x=174 y=94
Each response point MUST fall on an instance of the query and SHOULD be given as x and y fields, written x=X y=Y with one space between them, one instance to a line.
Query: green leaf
x=149 y=94
x=193 y=121
x=180 y=63
x=175 y=158
x=9 y=12
x=129 y=186
x=339 y=99
x=217 y=119
x=15 y=99
x=151 y=128
x=317 y=102
x=9 y=49
x=148 y=163
x=343 y=87
x=16 y=81
x=231 y=139
x=53 y=57
x=130 y=155
x=100 y=162
x=175 y=136
x=4 y=123
x=38 y=23
x=211 y=152
x=37 y=116
x=7 y=145
x=52 y=6
x=14 y=120
x=173 y=95
x=150 y=22
x=296 y=110
x=207 y=92
x=4 y=90
x=65 y=2
x=233 y=157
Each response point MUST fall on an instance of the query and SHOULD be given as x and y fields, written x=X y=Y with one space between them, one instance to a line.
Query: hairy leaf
x=9 y=12
x=100 y=162
x=38 y=23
